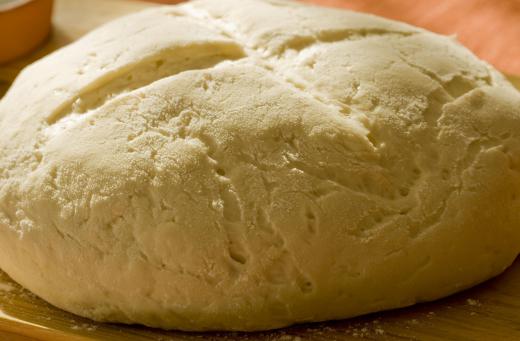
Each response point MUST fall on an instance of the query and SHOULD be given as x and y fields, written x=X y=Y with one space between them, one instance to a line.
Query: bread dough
x=246 y=165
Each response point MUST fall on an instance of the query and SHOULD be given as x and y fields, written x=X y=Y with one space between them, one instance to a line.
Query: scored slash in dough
x=246 y=165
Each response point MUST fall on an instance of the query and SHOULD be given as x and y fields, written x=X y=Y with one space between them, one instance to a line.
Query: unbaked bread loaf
x=246 y=165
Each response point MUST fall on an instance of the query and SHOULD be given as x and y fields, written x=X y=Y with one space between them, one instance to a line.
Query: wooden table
x=490 y=311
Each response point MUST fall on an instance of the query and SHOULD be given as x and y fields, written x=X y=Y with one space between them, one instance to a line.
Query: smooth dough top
x=246 y=165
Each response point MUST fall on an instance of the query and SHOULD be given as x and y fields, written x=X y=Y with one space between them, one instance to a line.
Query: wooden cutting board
x=490 y=311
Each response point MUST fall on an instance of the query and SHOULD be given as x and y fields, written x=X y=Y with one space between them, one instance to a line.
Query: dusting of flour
x=6 y=287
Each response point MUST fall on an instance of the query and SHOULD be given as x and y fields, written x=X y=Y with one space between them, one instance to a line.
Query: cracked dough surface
x=246 y=165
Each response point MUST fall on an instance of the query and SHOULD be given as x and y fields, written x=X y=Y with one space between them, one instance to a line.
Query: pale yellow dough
x=246 y=165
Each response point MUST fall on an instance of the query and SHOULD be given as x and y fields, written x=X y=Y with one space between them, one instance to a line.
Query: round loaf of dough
x=246 y=165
